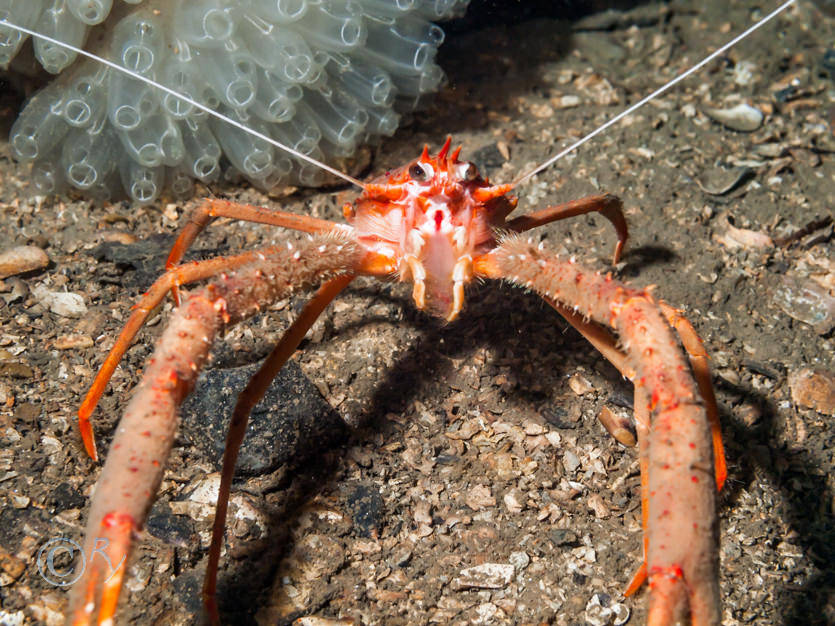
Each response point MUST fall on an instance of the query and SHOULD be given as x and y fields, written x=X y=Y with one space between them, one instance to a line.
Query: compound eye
x=467 y=171
x=420 y=172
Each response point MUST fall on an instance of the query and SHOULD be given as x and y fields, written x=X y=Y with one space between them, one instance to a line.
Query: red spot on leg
x=112 y=520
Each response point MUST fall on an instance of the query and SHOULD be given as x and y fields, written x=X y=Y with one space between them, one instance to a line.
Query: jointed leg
x=213 y=208
x=642 y=426
x=182 y=275
x=701 y=370
x=249 y=397
x=682 y=527
x=607 y=205
x=130 y=478
x=603 y=341
x=597 y=336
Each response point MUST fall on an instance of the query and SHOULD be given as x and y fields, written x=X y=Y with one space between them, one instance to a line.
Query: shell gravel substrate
x=322 y=76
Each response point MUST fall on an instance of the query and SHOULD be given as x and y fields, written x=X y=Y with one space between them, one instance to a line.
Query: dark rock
x=366 y=507
x=64 y=497
x=175 y=530
x=292 y=421
x=146 y=257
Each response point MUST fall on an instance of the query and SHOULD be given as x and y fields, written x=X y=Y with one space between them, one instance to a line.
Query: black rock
x=292 y=421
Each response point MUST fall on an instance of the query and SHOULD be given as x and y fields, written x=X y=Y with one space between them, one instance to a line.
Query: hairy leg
x=140 y=448
x=607 y=205
x=682 y=525
x=249 y=397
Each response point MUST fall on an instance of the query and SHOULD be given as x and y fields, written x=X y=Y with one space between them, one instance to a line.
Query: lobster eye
x=467 y=171
x=420 y=172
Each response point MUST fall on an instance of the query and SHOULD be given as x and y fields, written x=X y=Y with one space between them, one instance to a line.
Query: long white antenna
x=192 y=102
x=524 y=177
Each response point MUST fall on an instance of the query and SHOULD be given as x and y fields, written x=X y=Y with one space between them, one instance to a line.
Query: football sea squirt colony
x=322 y=76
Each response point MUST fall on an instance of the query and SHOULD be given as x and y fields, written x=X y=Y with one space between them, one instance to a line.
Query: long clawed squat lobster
x=437 y=223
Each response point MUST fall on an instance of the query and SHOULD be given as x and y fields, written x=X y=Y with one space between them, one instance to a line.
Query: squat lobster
x=437 y=223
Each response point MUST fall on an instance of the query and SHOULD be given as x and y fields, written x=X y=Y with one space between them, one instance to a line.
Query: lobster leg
x=701 y=370
x=143 y=439
x=607 y=205
x=682 y=526
x=597 y=336
x=182 y=275
x=603 y=341
x=249 y=397
x=692 y=343
x=133 y=470
x=213 y=208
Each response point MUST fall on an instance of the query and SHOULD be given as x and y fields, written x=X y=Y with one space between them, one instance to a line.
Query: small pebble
x=566 y=102
x=579 y=384
x=22 y=259
x=118 y=236
x=15 y=369
x=813 y=389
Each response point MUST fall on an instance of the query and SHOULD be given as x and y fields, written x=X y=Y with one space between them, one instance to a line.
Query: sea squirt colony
x=322 y=76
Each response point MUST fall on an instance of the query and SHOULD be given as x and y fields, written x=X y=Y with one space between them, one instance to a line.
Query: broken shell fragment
x=742 y=117
x=601 y=610
x=813 y=389
x=719 y=180
x=22 y=259
x=621 y=428
x=734 y=237
x=806 y=301
x=484 y=576
x=60 y=302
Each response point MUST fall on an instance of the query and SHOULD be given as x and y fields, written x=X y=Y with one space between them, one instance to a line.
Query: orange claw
x=104 y=570
x=85 y=427
x=637 y=580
